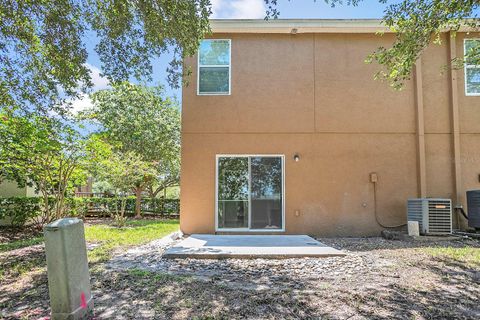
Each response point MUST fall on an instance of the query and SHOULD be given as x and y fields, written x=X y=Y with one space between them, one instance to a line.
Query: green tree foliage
x=124 y=171
x=42 y=152
x=43 y=52
x=138 y=122
x=416 y=24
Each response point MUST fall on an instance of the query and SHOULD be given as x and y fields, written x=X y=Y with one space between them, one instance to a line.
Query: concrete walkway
x=207 y=246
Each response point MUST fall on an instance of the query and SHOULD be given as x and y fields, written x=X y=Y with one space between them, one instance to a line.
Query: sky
x=240 y=9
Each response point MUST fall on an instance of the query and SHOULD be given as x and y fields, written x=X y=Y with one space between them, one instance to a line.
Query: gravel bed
x=257 y=274
x=261 y=271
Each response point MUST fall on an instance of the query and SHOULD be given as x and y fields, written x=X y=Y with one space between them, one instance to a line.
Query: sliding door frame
x=248 y=156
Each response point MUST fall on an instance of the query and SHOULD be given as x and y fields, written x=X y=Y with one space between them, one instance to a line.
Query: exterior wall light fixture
x=296 y=157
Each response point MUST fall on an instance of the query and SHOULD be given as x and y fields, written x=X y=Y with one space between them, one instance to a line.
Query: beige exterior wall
x=312 y=94
x=11 y=189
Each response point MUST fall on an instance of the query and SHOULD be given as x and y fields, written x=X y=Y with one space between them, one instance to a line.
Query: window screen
x=472 y=71
x=214 y=67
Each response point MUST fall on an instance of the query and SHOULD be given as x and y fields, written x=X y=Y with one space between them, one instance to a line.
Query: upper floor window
x=214 y=67
x=472 y=70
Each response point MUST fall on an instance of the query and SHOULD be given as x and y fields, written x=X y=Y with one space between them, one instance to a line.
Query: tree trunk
x=46 y=209
x=138 y=201
x=151 y=193
x=123 y=204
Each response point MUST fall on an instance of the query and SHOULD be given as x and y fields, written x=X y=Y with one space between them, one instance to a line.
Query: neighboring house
x=11 y=189
x=284 y=129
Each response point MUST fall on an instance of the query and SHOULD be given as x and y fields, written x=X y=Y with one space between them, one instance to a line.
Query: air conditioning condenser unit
x=434 y=216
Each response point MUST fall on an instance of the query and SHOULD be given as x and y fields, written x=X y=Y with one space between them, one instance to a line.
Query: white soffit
x=295 y=26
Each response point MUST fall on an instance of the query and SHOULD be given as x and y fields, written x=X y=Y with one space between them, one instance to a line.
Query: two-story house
x=284 y=129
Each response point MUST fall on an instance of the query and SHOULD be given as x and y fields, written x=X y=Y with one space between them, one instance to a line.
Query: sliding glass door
x=250 y=193
x=232 y=193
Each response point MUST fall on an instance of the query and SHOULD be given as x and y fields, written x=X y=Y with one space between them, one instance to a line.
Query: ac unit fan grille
x=434 y=216
x=439 y=217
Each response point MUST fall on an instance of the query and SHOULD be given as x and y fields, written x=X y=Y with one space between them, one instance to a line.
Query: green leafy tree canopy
x=137 y=120
x=43 y=51
x=42 y=152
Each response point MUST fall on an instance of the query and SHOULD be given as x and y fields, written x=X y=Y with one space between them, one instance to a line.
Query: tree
x=123 y=171
x=169 y=176
x=44 y=153
x=416 y=24
x=136 y=120
x=43 y=45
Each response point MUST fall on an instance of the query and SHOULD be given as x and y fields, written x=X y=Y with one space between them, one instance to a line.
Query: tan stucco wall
x=11 y=189
x=312 y=94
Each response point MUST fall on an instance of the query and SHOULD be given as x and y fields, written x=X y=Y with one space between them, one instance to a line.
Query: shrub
x=161 y=206
x=19 y=210
x=171 y=206
x=120 y=221
x=76 y=207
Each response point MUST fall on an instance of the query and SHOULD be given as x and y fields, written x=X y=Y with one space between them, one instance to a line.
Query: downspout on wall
x=421 y=162
x=457 y=170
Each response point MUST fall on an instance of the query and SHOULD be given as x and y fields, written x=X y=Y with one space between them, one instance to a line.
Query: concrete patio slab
x=207 y=246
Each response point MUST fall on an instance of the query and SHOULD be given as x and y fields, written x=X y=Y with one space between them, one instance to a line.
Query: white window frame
x=469 y=66
x=217 y=157
x=216 y=66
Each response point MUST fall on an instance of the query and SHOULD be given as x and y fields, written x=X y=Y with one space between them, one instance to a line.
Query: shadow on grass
x=163 y=296
x=16 y=263
x=146 y=295
x=452 y=294
x=17 y=244
x=23 y=267
x=455 y=296
x=23 y=283
x=12 y=238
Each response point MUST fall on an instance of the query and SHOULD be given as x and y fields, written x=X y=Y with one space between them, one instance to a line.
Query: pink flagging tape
x=83 y=300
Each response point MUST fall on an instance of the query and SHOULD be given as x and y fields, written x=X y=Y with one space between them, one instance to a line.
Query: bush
x=149 y=205
x=171 y=206
x=120 y=221
x=19 y=210
x=76 y=207
x=160 y=206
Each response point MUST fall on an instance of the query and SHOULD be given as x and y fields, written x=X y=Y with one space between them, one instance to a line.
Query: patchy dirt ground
x=378 y=279
x=9 y=234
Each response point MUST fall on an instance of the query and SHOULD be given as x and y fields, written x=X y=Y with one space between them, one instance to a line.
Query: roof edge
x=294 y=26
x=297 y=26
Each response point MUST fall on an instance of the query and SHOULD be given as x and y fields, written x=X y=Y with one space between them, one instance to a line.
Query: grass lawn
x=468 y=256
x=136 y=232
x=17 y=244
x=107 y=238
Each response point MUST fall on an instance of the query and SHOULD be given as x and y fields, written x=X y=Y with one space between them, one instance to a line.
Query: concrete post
x=67 y=266
x=413 y=229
